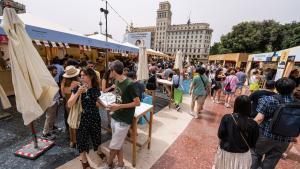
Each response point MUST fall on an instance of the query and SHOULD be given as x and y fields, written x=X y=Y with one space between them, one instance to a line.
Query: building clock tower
x=163 y=22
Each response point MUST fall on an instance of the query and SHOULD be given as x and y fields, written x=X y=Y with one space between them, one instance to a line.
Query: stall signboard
x=295 y=52
x=282 y=64
x=139 y=38
x=262 y=57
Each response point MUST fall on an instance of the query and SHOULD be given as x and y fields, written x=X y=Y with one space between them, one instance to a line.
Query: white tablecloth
x=109 y=98
x=166 y=82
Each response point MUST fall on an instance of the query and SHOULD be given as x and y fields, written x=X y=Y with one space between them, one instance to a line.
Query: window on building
x=198 y=50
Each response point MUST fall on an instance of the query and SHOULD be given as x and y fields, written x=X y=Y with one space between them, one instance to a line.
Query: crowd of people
x=248 y=128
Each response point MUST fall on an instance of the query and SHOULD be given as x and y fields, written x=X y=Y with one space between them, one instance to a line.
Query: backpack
x=176 y=85
x=151 y=83
x=286 y=119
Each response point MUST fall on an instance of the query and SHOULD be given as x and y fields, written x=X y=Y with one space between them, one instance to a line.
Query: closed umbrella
x=3 y=99
x=4 y=104
x=178 y=61
x=33 y=84
x=188 y=62
x=143 y=71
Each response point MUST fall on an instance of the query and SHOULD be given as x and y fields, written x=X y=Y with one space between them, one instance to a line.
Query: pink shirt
x=233 y=80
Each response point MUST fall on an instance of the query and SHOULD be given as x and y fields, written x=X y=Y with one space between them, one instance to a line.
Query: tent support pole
x=34 y=138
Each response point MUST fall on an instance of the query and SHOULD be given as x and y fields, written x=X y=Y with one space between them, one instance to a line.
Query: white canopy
x=33 y=84
x=155 y=53
x=130 y=45
x=143 y=71
x=178 y=61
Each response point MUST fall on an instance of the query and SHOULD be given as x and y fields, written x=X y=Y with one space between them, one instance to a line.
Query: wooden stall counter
x=6 y=82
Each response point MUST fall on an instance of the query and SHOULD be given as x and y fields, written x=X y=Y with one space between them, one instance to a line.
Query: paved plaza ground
x=178 y=142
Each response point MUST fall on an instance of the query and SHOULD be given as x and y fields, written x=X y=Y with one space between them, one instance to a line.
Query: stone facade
x=193 y=39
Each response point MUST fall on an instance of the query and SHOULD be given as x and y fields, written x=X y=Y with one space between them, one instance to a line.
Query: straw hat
x=70 y=72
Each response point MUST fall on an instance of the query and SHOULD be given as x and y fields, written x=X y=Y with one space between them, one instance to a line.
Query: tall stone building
x=20 y=8
x=193 y=39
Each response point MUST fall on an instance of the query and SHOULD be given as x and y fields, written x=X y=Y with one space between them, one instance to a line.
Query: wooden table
x=168 y=83
x=140 y=111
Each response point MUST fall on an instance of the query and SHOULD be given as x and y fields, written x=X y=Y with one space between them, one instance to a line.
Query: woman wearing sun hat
x=70 y=81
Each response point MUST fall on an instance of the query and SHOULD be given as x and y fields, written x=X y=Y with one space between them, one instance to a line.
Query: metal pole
x=186 y=40
x=106 y=57
x=34 y=138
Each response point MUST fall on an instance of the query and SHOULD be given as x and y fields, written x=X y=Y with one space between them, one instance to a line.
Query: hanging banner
x=139 y=38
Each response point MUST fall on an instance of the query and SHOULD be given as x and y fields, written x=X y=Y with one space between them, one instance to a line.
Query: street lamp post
x=105 y=11
x=186 y=39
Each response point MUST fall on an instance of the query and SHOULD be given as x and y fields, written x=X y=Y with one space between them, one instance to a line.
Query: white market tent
x=40 y=29
x=155 y=53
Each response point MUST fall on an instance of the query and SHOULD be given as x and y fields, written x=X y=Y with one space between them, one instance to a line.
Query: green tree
x=256 y=37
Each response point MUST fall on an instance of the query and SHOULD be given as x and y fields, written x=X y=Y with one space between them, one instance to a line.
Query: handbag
x=227 y=88
x=241 y=132
x=75 y=114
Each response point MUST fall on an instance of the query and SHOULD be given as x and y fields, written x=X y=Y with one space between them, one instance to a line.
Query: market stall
x=262 y=60
x=282 y=62
x=230 y=59
x=289 y=60
x=53 y=40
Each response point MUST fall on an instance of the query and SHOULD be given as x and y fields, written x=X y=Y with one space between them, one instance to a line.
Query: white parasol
x=34 y=86
x=178 y=61
x=143 y=71
x=3 y=99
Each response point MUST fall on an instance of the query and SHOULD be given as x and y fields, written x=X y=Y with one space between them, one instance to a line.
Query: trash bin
x=186 y=86
x=147 y=99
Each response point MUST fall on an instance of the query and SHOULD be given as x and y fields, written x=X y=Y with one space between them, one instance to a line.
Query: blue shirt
x=175 y=80
x=242 y=77
x=267 y=106
x=60 y=71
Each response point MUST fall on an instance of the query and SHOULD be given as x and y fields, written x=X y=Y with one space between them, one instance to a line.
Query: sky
x=84 y=15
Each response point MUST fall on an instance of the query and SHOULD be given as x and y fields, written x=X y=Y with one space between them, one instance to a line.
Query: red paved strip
x=196 y=146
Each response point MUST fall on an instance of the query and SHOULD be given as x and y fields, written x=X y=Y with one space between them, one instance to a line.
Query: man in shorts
x=241 y=75
x=198 y=90
x=123 y=110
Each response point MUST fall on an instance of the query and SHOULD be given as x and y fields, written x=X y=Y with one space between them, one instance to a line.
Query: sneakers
x=216 y=101
x=227 y=105
x=56 y=130
x=106 y=166
x=48 y=136
x=194 y=114
x=284 y=156
x=177 y=107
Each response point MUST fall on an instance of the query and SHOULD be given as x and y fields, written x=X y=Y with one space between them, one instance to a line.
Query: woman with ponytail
x=238 y=134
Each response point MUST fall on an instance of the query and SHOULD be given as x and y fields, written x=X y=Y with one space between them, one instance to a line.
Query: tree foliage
x=256 y=37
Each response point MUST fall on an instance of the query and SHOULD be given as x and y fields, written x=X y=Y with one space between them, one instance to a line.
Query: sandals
x=85 y=165
x=102 y=156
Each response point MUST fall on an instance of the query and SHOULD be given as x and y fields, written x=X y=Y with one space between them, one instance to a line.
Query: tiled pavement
x=14 y=135
x=196 y=146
